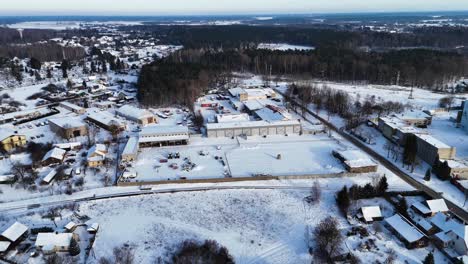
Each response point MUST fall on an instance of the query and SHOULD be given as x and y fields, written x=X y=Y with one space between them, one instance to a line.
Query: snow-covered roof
x=133 y=112
x=424 y=224
x=446 y=223
x=158 y=130
x=70 y=225
x=53 y=239
x=355 y=158
x=50 y=176
x=433 y=141
x=105 y=118
x=421 y=207
x=437 y=205
x=409 y=232
x=5 y=178
x=72 y=106
x=270 y=115
x=93 y=227
x=232 y=118
x=253 y=105
x=98 y=150
x=68 y=122
x=251 y=124
x=55 y=153
x=15 y=231
x=131 y=147
x=68 y=145
x=371 y=212
x=4 y=245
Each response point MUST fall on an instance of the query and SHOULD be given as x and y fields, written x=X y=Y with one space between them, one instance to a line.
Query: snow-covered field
x=256 y=226
x=283 y=46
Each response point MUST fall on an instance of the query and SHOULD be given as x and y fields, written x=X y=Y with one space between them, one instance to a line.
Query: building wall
x=254 y=131
x=13 y=141
x=464 y=117
x=428 y=152
x=68 y=133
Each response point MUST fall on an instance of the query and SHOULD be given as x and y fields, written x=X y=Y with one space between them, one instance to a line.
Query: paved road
x=458 y=211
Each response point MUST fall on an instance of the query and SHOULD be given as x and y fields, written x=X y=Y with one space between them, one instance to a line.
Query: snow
x=14 y=232
x=55 y=25
x=283 y=46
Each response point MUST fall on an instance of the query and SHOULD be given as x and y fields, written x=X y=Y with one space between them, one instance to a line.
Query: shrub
x=210 y=252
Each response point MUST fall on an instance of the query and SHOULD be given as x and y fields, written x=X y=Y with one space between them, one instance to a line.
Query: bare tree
x=316 y=191
x=328 y=239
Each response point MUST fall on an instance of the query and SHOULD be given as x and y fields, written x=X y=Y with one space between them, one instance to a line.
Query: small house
x=53 y=156
x=430 y=207
x=370 y=214
x=409 y=234
x=15 y=232
x=50 y=243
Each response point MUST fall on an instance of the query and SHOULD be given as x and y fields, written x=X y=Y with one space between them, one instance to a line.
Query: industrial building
x=105 y=120
x=68 y=127
x=72 y=107
x=130 y=151
x=253 y=128
x=137 y=115
x=429 y=149
x=159 y=136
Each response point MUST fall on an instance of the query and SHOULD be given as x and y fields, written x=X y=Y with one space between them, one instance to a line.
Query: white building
x=158 y=136
x=253 y=128
x=140 y=116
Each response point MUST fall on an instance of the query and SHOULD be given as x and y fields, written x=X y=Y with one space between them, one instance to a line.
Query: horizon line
x=174 y=14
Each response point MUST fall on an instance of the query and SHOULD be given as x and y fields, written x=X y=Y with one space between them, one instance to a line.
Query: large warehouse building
x=254 y=128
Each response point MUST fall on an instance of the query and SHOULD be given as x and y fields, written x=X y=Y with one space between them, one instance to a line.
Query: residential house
x=370 y=214
x=430 y=207
x=130 y=151
x=15 y=232
x=10 y=140
x=53 y=156
x=96 y=155
x=50 y=243
x=409 y=234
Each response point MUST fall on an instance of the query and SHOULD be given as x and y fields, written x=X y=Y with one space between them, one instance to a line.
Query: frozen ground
x=283 y=46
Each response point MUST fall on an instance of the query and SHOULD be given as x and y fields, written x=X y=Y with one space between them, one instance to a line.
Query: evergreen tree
x=74 y=247
x=382 y=186
x=342 y=200
x=35 y=63
x=410 y=151
x=49 y=73
x=427 y=176
x=93 y=67
x=69 y=84
x=429 y=259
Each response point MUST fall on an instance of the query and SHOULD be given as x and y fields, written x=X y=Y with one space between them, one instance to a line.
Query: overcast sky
x=198 y=7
